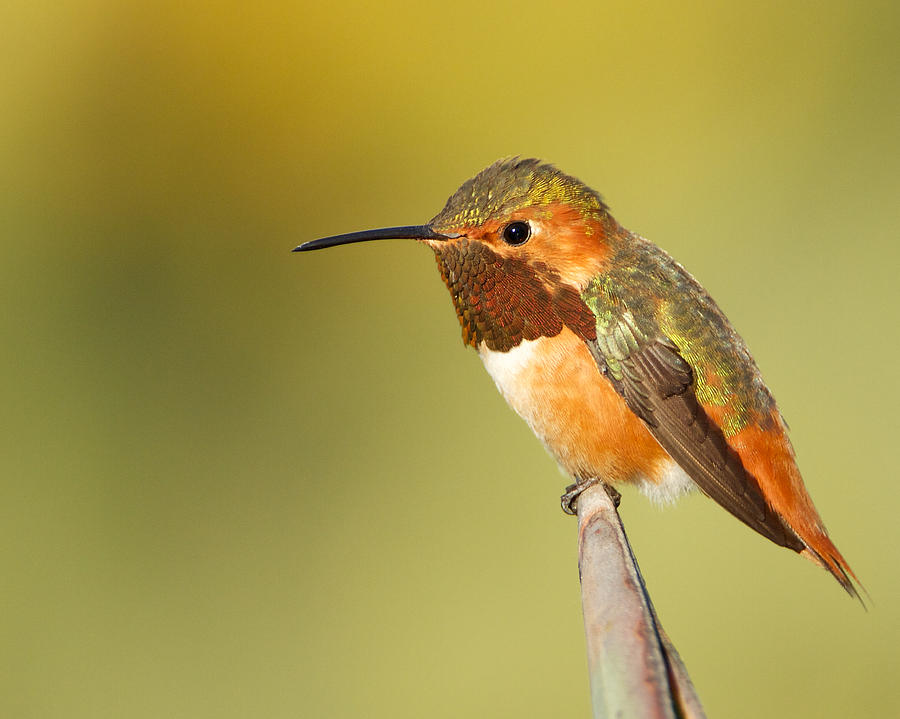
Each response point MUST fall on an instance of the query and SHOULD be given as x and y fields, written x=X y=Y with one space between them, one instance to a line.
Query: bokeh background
x=238 y=482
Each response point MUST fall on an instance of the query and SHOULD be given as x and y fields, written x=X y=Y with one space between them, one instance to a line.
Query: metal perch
x=635 y=671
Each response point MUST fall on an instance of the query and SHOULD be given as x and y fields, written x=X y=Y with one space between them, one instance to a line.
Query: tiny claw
x=569 y=500
x=614 y=494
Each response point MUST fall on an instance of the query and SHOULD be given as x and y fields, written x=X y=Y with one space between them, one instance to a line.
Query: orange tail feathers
x=769 y=457
x=821 y=550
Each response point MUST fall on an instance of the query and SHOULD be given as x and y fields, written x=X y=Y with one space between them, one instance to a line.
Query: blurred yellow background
x=239 y=482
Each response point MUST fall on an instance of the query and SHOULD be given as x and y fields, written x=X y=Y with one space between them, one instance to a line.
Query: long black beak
x=413 y=232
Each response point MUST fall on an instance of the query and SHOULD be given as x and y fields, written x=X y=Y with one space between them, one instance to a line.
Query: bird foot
x=569 y=500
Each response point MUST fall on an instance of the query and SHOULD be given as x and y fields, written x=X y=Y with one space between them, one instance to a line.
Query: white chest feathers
x=509 y=370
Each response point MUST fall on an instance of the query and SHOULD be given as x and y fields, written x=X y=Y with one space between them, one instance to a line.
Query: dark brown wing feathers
x=657 y=386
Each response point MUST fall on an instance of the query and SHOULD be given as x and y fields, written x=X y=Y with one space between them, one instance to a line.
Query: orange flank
x=555 y=385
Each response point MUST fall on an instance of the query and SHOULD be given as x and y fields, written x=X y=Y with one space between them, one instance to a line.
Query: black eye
x=516 y=233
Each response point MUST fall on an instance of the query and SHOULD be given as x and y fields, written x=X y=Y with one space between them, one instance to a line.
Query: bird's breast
x=555 y=385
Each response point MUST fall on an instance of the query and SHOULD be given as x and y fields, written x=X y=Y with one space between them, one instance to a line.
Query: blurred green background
x=239 y=482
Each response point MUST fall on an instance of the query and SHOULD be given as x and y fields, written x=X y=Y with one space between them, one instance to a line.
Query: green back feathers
x=646 y=294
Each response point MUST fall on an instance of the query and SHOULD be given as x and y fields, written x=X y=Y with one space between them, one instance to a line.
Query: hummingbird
x=616 y=357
